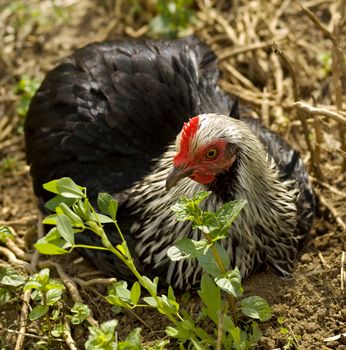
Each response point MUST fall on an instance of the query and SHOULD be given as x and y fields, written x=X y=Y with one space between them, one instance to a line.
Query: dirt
x=312 y=302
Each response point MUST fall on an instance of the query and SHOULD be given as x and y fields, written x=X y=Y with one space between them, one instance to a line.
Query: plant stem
x=44 y=302
x=218 y=260
x=89 y=247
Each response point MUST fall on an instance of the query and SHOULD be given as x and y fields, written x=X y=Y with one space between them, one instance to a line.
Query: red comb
x=188 y=132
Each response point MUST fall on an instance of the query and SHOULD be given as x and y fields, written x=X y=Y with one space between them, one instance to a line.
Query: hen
x=108 y=116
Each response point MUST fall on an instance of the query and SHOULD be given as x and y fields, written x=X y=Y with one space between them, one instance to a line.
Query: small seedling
x=173 y=19
x=10 y=281
x=292 y=340
x=47 y=293
x=80 y=312
x=5 y=234
x=104 y=338
x=25 y=88
x=8 y=164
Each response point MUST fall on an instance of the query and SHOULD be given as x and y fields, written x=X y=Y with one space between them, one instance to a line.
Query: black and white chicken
x=108 y=116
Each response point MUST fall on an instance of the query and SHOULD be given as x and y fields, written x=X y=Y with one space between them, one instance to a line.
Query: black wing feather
x=110 y=109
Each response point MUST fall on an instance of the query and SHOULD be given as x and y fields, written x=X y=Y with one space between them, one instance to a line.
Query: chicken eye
x=211 y=154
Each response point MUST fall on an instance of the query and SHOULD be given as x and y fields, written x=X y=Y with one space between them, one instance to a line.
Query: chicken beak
x=175 y=175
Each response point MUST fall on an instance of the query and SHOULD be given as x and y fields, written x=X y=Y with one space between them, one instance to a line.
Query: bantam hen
x=108 y=116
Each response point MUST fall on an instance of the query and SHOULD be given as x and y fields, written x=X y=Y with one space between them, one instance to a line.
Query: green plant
x=292 y=340
x=33 y=13
x=103 y=337
x=10 y=281
x=8 y=164
x=233 y=318
x=5 y=234
x=47 y=293
x=173 y=19
x=25 y=88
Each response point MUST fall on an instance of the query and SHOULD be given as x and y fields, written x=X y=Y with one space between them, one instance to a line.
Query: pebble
x=312 y=327
x=305 y=258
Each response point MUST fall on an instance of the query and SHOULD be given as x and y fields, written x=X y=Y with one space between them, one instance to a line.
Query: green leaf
x=176 y=254
x=69 y=189
x=224 y=255
x=254 y=333
x=283 y=330
x=53 y=296
x=54 y=284
x=187 y=209
x=107 y=205
x=63 y=224
x=208 y=263
x=281 y=320
x=5 y=296
x=188 y=325
x=52 y=235
x=81 y=312
x=57 y=200
x=102 y=337
x=151 y=286
x=124 y=294
x=167 y=306
x=5 y=234
x=229 y=212
x=10 y=277
x=58 y=330
x=82 y=209
x=132 y=341
x=50 y=220
x=150 y=301
x=38 y=280
x=186 y=248
x=123 y=249
x=50 y=249
x=172 y=332
x=75 y=219
x=119 y=295
x=51 y=186
x=32 y=284
x=55 y=314
x=211 y=297
x=236 y=335
x=256 y=307
x=103 y=219
x=66 y=187
x=230 y=283
x=170 y=294
x=113 y=209
x=135 y=293
x=37 y=312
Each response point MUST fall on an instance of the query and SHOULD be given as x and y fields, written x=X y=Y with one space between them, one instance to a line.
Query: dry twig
x=68 y=337
x=103 y=281
x=12 y=258
x=329 y=187
x=23 y=319
x=320 y=111
x=323 y=261
x=342 y=271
